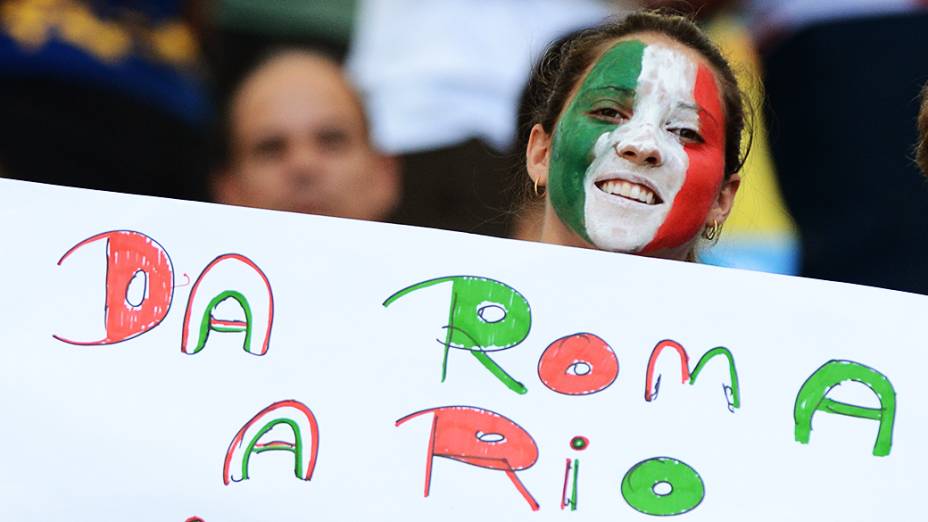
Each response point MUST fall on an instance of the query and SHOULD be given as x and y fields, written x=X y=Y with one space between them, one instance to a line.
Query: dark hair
x=921 y=148
x=566 y=61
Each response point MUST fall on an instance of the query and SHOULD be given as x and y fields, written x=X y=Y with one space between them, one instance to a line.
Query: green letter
x=663 y=486
x=210 y=323
x=733 y=392
x=813 y=396
x=485 y=316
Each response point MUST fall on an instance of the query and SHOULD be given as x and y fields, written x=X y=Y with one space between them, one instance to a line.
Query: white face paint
x=639 y=167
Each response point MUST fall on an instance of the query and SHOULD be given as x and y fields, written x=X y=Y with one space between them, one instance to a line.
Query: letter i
x=578 y=443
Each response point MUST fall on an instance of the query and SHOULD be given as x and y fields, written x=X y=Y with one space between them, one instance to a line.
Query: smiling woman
x=637 y=137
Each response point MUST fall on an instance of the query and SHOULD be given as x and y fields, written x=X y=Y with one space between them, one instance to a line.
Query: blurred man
x=297 y=139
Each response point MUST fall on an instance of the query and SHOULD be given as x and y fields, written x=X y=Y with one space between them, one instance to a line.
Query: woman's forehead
x=620 y=59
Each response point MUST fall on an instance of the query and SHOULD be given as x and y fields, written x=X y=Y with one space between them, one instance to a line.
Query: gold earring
x=537 y=193
x=713 y=231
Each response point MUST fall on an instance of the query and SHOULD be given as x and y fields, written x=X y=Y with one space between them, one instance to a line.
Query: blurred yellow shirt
x=759 y=219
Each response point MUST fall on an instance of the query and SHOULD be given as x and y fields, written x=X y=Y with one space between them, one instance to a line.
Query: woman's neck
x=554 y=231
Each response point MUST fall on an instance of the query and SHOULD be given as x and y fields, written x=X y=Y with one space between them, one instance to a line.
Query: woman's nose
x=642 y=154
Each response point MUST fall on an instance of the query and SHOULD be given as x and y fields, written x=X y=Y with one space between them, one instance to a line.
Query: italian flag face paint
x=638 y=156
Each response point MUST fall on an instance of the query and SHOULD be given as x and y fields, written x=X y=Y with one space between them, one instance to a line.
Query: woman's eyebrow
x=624 y=91
x=697 y=109
x=613 y=90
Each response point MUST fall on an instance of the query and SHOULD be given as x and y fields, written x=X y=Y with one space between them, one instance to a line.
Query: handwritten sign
x=166 y=360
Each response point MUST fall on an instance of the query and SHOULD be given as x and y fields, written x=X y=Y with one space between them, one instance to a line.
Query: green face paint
x=610 y=84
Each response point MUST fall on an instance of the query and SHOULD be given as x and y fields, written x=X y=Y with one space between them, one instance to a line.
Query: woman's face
x=637 y=157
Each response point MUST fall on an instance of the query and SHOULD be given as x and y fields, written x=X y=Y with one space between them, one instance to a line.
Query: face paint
x=638 y=155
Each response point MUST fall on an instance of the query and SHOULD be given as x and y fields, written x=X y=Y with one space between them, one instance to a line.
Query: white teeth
x=626 y=189
x=629 y=190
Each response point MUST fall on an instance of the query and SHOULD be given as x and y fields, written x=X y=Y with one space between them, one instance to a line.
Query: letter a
x=813 y=397
x=235 y=279
x=247 y=441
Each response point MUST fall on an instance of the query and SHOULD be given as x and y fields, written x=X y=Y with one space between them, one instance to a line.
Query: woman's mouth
x=629 y=190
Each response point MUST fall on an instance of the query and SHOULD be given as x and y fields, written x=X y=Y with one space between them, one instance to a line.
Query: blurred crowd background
x=412 y=112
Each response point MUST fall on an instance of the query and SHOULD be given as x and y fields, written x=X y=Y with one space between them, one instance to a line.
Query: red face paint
x=705 y=172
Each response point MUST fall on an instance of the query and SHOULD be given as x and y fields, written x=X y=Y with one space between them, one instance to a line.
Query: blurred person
x=442 y=81
x=921 y=149
x=842 y=79
x=104 y=94
x=297 y=140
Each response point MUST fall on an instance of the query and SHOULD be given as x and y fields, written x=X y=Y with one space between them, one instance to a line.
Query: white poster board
x=158 y=352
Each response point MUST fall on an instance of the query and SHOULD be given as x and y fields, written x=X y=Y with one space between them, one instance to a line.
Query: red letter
x=130 y=254
x=650 y=392
x=481 y=438
x=578 y=364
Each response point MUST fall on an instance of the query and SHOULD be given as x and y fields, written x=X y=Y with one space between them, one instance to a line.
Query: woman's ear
x=537 y=155
x=724 y=202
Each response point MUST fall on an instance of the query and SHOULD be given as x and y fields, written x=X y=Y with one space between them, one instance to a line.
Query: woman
x=637 y=138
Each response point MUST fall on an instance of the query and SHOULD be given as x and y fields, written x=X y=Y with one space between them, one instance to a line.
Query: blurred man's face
x=299 y=143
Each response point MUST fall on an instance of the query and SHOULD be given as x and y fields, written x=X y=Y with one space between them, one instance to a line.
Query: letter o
x=578 y=364
x=639 y=487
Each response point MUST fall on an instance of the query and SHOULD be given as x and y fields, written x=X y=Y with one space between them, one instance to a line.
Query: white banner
x=167 y=360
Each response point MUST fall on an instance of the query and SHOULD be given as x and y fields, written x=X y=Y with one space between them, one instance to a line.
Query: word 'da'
x=140 y=291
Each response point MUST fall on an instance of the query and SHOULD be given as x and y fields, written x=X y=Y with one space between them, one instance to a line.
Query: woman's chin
x=619 y=239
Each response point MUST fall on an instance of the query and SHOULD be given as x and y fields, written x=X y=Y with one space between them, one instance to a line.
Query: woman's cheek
x=690 y=207
x=571 y=157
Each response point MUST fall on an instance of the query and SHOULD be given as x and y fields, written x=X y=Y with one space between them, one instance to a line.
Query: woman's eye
x=688 y=135
x=610 y=114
